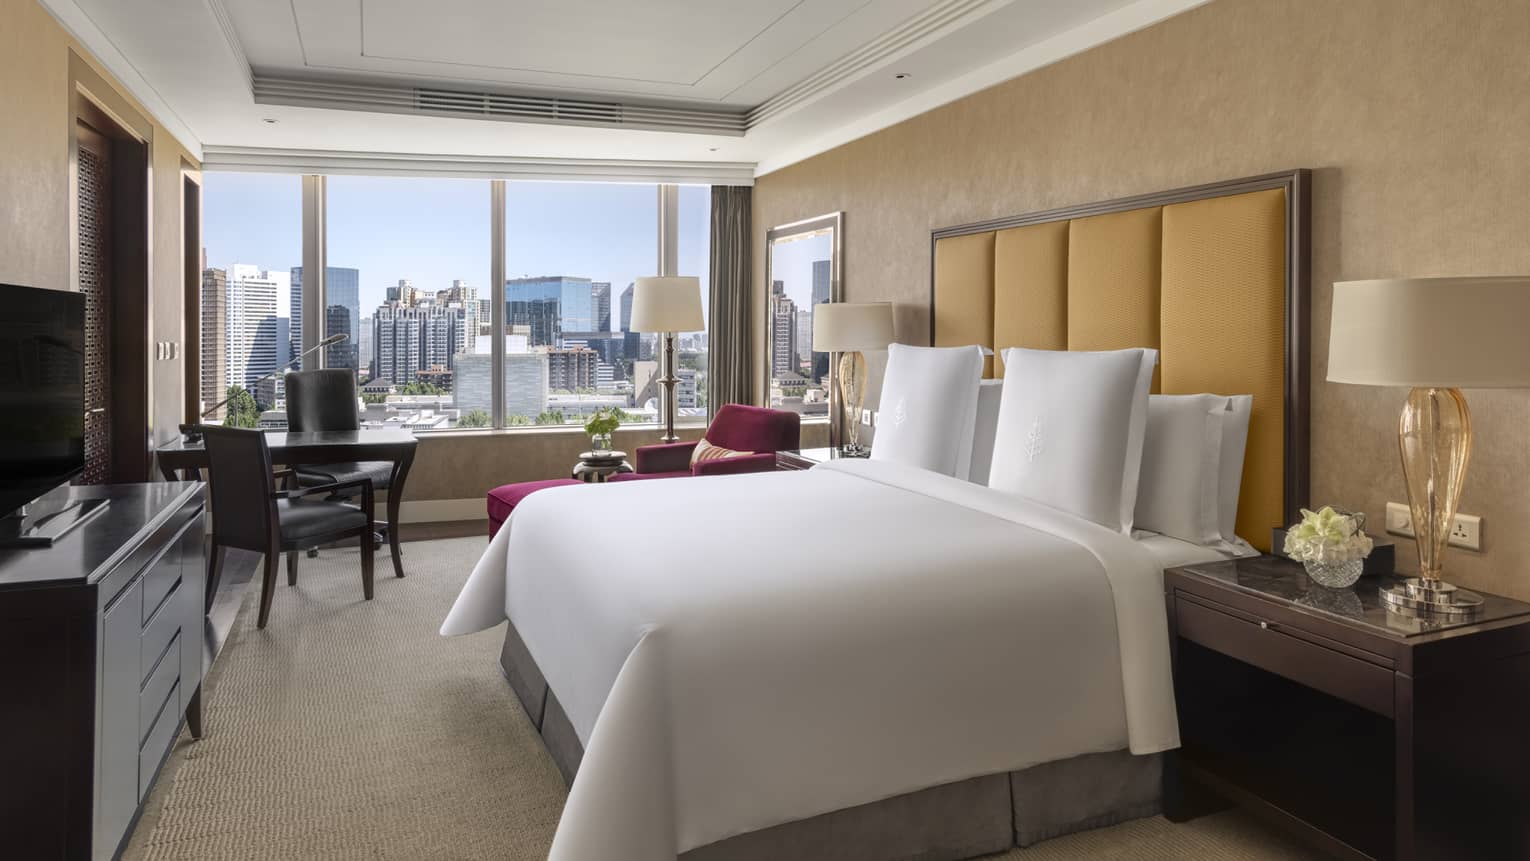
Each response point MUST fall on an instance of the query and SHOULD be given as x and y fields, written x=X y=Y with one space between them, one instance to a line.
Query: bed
x=879 y=661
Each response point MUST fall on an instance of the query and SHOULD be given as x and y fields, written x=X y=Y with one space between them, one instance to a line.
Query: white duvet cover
x=736 y=652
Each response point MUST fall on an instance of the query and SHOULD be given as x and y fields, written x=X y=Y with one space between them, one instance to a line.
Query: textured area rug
x=349 y=729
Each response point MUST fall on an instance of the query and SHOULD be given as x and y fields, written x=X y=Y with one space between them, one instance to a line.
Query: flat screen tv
x=42 y=391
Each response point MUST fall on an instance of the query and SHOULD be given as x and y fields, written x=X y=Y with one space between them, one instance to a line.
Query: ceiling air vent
x=477 y=104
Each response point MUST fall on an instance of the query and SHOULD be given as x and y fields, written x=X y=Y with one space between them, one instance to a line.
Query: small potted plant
x=1331 y=544
x=600 y=425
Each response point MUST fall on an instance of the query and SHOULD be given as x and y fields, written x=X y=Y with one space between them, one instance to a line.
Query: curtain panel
x=730 y=370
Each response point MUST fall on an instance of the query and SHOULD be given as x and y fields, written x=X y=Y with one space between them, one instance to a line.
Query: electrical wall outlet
x=868 y=418
x=1465 y=532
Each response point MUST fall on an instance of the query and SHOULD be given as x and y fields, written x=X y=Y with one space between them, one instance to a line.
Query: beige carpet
x=349 y=729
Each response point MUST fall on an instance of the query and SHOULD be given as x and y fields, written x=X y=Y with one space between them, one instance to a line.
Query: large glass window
x=572 y=253
x=252 y=227
x=408 y=283
x=407 y=264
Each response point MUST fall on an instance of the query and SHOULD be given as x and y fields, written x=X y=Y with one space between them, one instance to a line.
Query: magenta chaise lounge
x=740 y=428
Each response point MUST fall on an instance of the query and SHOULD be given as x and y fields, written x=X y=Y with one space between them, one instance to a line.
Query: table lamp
x=667 y=304
x=848 y=328
x=1437 y=336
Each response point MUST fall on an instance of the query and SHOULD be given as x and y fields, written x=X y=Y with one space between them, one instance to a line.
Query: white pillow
x=1234 y=445
x=985 y=430
x=1179 y=491
x=1070 y=430
x=928 y=407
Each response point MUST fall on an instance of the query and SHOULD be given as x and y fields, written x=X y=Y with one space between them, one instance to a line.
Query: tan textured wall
x=1412 y=112
x=35 y=209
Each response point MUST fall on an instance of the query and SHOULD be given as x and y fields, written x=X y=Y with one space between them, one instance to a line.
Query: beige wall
x=35 y=208
x=1412 y=112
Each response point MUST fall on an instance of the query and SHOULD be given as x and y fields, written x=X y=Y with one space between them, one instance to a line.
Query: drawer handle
x=1268 y=626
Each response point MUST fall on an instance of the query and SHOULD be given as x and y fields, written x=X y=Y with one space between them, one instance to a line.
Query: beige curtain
x=730 y=367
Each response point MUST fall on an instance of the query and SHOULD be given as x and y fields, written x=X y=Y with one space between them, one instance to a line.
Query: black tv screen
x=42 y=391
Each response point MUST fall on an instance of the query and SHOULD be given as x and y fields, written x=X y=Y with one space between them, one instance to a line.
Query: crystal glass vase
x=1335 y=575
x=600 y=442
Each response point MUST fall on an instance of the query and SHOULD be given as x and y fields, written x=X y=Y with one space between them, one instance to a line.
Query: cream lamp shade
x=843 y=327
x=667 y=304
x=1463 y=333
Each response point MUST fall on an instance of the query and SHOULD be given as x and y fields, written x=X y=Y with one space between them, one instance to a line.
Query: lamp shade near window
x=1437 y=335
x=842 y=327
x=667 y=304
x=1463 y=333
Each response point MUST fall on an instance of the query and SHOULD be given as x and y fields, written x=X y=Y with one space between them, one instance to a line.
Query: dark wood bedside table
x=806 y=458
x=1369 y=734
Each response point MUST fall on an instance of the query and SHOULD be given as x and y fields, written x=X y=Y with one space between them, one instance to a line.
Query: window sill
x=549 y=430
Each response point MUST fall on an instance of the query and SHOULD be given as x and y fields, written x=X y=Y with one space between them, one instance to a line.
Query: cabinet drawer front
x=159 y=579
x=158 y=633
x=157 y=741
x=1264 y=645
x=157 y=688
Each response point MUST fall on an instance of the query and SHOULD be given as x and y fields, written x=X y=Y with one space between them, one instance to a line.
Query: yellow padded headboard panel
x=1030 y=289
x=1211 y=276
x=1216 y=250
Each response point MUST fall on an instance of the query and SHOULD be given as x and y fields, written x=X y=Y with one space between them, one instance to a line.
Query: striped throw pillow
x=706 y=451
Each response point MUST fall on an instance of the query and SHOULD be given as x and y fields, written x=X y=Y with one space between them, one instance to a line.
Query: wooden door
x=96 y=244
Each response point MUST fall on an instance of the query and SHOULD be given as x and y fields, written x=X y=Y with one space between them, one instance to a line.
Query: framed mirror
x=803 y=267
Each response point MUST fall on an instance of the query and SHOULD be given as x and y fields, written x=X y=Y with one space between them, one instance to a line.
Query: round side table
x=596 y=467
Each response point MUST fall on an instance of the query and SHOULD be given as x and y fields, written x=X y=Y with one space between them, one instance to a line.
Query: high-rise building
x=804 y=336
x=600 y=296
x=410 y=339
x=342 y=315
x=364 y=350
x=485 y=319
x=465 y=298
x=570 y=369
x=550 y=305
x=525 y=381
x=214 y=356
x=783 y=334
x=250 y=330
x=626 y=312
x=822 y=286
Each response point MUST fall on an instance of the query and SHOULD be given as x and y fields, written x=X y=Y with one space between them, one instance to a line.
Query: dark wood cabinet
x=102 y=642
x=1369 y=734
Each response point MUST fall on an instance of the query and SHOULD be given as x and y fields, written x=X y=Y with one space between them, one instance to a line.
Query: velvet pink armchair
x=738 y=427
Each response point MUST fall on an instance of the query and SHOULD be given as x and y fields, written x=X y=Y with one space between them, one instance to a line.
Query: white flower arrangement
x=1327 y=536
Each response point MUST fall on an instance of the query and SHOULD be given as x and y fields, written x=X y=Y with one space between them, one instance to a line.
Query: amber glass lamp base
x=1434 y=437
x=852 y=396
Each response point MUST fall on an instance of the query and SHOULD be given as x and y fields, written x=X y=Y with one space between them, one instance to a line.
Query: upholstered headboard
x=1215 y=277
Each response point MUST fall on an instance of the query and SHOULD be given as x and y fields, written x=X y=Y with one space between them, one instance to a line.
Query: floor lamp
x=1436 y=336
x=666 y=305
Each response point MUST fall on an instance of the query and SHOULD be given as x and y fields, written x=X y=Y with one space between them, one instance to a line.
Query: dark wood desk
x=314 y=448
x=1370 y=734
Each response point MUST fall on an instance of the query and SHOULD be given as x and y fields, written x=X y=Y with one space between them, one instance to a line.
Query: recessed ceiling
x=764 y=81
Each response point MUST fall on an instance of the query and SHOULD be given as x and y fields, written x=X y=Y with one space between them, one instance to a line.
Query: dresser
x=1367 y=733
x=101 y=636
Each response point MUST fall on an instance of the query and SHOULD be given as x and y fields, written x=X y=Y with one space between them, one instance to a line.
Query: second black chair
x=251 y=514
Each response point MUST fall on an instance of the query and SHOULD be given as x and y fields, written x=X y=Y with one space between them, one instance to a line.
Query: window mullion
x=497 y=300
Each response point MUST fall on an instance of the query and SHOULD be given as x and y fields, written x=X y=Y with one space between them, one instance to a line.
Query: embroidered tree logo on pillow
x=1033 y=442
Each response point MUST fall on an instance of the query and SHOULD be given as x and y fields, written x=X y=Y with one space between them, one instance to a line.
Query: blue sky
x=432 y=231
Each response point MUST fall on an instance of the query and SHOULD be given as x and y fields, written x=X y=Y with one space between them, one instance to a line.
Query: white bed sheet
x=796 y=643
x=1173 y=552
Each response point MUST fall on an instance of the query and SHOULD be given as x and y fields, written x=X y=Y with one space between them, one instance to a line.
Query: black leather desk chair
x=325 y=400
x=252 y=514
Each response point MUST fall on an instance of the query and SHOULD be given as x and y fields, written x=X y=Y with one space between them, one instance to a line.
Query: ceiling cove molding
x=916 y=31
x=272 y=160
x=479 y=104
x=104 y=51
x=231 y=36
x=1106 y=28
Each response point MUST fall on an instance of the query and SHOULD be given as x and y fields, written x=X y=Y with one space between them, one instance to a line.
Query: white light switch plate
x=1467 y=531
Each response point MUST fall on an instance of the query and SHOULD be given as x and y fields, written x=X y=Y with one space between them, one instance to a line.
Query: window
x=253 y=234
x=408 y=281
x=572 y=253
x=407 y=261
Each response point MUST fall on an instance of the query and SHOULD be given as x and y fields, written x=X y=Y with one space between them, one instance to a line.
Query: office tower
x=284 y=352
x=250 y=330
x=441 y=335
x=626 y=312
x=608 y=345
x=466 y=298
x=600 y=297
x=526 y=381
x=822 y=284
x=804 y=337
x=685 y=390
x=783 y=335
x=571 y=369
x=550 y=305
x=214 y=338
x=342 y=314
x=485 y=319
x=364 y=351
x=410 y=339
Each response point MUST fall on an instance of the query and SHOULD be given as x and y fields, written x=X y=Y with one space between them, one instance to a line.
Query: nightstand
x=806 y=458
x=1368 y=734
x=597 y=467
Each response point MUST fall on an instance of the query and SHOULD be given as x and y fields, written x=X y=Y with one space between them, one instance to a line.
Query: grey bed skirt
x=966 y=819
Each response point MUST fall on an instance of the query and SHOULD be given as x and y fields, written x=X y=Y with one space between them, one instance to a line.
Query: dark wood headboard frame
x=1298 y=348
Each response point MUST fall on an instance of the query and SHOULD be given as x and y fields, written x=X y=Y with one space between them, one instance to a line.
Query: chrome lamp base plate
x=1430 y=599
